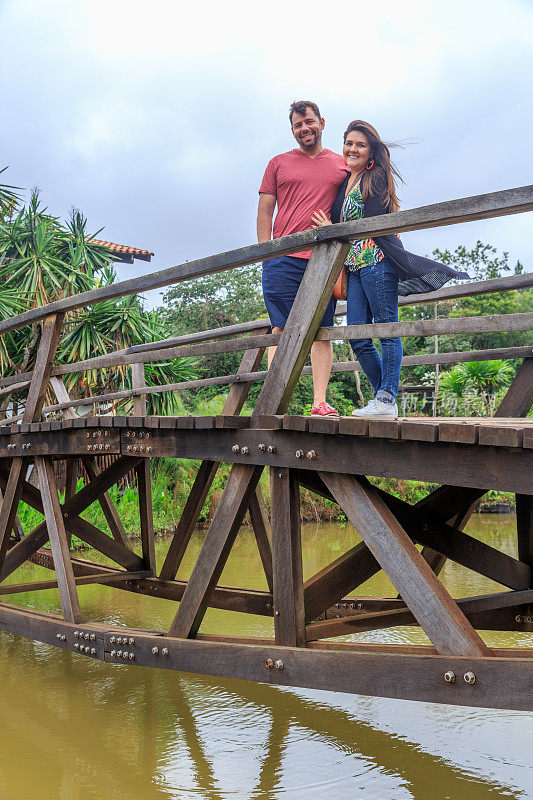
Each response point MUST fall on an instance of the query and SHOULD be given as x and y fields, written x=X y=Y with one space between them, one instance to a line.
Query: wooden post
x=289 y=615
x=524 y=525
x=32 y=411
x=58 y=541
x=146 y=516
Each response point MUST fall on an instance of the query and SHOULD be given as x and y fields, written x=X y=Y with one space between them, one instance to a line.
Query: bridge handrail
x=485 y=206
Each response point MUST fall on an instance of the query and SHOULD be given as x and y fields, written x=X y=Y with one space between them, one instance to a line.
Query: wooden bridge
x=466 y=457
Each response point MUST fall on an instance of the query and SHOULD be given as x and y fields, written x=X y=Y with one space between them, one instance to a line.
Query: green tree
x=482 y=262
x=42 y=260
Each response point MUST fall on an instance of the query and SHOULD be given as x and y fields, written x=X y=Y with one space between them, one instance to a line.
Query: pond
x=78 y=729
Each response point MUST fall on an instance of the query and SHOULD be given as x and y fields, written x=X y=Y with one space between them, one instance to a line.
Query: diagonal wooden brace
x=295 y=343
x=432 y=606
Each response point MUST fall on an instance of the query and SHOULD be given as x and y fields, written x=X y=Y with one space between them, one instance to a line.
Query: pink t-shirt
x=302 y=185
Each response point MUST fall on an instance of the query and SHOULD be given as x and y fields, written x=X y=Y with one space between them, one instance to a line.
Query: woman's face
x=356 y=150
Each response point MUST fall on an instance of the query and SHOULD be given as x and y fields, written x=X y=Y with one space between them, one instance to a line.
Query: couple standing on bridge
x=312 y=186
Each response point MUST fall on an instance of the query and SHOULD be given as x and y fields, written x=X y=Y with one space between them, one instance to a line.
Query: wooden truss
x=330 y=457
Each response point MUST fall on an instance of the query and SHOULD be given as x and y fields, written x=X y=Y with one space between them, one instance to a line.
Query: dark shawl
x=417 y=274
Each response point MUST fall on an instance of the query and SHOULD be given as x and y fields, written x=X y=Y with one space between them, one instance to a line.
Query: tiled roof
x=125 y=252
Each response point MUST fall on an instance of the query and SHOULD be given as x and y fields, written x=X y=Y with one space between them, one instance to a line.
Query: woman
x=379 y=269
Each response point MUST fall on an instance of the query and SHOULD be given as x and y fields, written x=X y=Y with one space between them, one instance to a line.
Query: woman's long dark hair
x=383 y=170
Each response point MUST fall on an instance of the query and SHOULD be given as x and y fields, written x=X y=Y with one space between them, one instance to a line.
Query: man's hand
x=265 y=212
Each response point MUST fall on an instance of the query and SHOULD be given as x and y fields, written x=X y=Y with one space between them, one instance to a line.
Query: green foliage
x=215 y=301
x=474 y=384
x=42 y=260
x=482 y=262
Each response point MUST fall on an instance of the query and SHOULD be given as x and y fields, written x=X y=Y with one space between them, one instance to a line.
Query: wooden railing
x=253 y=335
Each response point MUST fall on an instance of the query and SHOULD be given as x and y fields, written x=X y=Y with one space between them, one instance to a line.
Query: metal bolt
x=63 y=637
x=352 y=605
x=76 y=634
x=128 y=448
x=164 y=651
x=58 y=636
x=148 y=449
x=269 y=605
x=93 y=651
x=132 y=656
x=113 y=653
x=140 y=434
x=269 y=663
x=155 y=650
x=93 y=636
x=125 y=654
x=337 y=605
x=94 y=434
x=107 y=447
x=147 y=435
x=279 y=664
x=299 y=454
x=235 y=448
x=86 y=635
x=87 y=649
x=469 y=677
x=119 y=653
x=88 y=435
x=276 y=613
x=518 y=618
x=449 y=676
x=311 y=454
x=360 y=606
x=261 y=447
x=271 y=448
x=132 y=641
x=111 y=639
x=119 y=639
x=245 y=450
x=76 y=646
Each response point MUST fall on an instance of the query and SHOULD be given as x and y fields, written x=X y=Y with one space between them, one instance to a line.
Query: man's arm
x=265 y=212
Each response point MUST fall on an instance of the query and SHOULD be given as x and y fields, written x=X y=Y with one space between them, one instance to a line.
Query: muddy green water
x=77 y=729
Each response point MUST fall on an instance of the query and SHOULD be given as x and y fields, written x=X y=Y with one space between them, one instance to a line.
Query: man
x=300 y=182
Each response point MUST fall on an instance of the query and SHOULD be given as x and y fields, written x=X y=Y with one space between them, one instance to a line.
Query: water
x=77 y=729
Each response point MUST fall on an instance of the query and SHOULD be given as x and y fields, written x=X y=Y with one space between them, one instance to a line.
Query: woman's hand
x=320 y=219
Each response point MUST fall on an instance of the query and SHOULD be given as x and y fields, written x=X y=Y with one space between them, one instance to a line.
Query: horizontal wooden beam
x=503 y=681
x=486 y=206
x=430 y=327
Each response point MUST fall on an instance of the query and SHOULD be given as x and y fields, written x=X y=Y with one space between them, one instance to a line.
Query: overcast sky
x=157 y=119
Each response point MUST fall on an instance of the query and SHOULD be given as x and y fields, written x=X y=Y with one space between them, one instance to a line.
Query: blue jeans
x=373 y=297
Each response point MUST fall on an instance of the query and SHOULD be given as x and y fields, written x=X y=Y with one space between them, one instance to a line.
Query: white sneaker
x=377 y=408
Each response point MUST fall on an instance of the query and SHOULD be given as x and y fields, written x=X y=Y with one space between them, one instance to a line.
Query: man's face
x=307 y=128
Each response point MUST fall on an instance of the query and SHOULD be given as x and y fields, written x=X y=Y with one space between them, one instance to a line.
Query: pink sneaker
x=324 y=410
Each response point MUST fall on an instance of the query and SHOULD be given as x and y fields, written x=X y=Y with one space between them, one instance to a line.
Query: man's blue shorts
x=281 y=280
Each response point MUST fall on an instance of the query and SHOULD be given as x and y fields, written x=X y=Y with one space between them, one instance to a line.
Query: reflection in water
x=76 y=729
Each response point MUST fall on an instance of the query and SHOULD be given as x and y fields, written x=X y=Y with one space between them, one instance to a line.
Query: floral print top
x=362 y=252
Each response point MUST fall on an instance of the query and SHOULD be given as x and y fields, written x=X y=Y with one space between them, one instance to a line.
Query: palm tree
x=475 y=382
x=43 y=259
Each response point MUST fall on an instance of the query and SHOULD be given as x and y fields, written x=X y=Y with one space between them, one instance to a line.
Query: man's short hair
x=301 y=106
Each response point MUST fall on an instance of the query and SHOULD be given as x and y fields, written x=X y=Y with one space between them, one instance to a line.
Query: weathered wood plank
x=425 y=596
x=146 y=517
x=289 y=615
x=58 y=541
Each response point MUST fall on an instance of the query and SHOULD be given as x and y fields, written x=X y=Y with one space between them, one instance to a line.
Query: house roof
x=124 y=252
